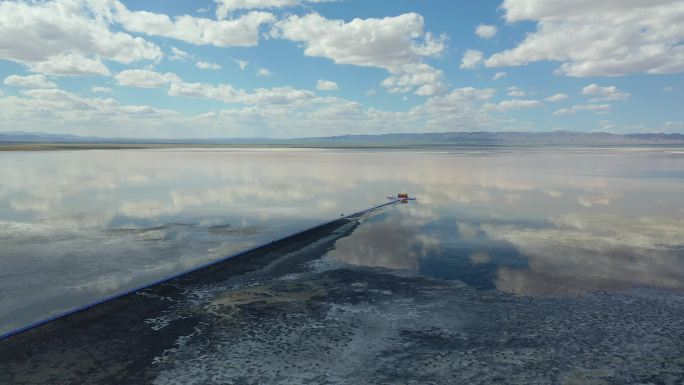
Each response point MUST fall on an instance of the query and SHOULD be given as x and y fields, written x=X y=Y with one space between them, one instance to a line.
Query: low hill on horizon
x=481 y=138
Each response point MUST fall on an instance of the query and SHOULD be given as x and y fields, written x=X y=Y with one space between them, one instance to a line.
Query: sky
x=301 y=68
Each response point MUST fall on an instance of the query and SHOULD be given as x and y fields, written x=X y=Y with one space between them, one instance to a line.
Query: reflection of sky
x=607 y=224
x=568 y=255
x=391 y=239
x=76 y=225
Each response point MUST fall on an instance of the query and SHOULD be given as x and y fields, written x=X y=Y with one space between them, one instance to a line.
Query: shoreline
x=40 y=147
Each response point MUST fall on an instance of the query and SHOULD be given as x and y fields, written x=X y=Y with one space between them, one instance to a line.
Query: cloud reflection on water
x=396 y=241
x=607 y=221
x=580 y=254
x=570 y=255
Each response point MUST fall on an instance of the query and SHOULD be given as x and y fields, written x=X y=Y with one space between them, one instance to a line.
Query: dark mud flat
x=285 y=315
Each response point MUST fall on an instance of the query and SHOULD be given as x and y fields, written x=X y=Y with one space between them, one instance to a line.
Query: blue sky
x=291 y=68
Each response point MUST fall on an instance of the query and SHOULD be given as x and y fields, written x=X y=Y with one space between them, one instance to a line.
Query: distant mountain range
x=555 y=138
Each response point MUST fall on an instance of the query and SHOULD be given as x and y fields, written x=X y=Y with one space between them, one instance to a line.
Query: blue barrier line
x=177 y=275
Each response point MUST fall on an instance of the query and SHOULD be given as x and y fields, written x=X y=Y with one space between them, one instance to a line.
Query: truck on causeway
x=402 y=197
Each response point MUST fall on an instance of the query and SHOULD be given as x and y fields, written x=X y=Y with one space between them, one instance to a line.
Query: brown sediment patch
x=266 y=295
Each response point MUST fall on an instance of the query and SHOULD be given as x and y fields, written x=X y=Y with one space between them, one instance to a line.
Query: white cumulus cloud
x=221 y=92
x=515 y=92
x=604 y=94
x=427 y=80
x=242 y=64
x=471 y=59
x=31 y=81
x=598 y=108
x=242 y=31
x=145 y=78
x=264 y=72
x=207 y=65
x=459 y=110
x=273 y=112
x=486 y=31
x=514 y=104
x=598 y=37
x=61 y=38
x=326 y=85
x=70 y=64
x=62 y=111
x=398 y=44
x=279 y=96
x=225 y=7
x=179 y=54
x=557 y=97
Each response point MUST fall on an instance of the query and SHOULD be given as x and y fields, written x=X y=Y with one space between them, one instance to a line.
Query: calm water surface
x=79 y=225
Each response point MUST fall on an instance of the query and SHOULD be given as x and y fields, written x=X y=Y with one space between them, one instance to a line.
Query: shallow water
x=78 y=225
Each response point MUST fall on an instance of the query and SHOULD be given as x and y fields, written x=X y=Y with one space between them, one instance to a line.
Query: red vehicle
x=403 y=197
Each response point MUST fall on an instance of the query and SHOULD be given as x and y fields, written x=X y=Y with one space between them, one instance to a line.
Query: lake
x=542 y=227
